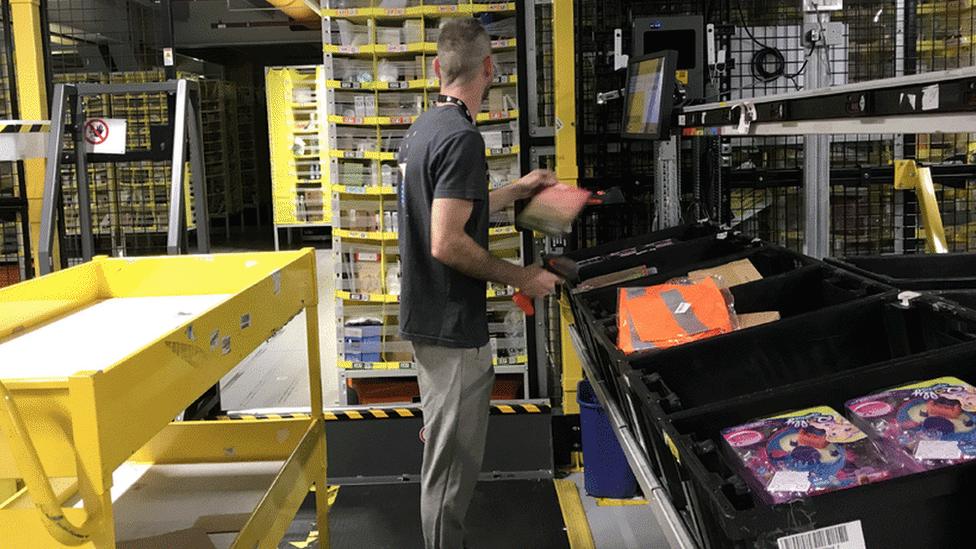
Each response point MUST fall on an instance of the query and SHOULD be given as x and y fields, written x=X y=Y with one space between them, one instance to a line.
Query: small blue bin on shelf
x=606 y=473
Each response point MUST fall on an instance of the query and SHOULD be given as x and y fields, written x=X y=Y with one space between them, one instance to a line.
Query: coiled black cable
x=768 y=64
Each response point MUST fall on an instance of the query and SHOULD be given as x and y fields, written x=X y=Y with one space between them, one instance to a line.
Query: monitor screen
x=650 y=89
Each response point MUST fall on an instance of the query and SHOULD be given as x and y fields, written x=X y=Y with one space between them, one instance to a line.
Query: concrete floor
x=276 y=375
x=618 y=526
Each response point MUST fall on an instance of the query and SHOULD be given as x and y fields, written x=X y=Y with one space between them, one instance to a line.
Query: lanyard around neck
x=458 y=103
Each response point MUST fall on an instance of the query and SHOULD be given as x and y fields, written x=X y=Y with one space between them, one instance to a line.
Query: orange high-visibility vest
x=666 y=315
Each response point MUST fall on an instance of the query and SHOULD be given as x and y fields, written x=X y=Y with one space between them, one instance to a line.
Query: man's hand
x=538 y=282
x=537 y=180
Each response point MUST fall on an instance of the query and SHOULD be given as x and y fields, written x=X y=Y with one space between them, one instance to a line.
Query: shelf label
x=401 y=119
x=356 y=190
x=350 y=85
x=354 y=154
x=353 y=120
x=396 y=48
x=397 y=85
x=367 y=256
x=347 y=12
x=361 y=366
x=447 y=9
x=843 y=536
x=497 y=115
x=501 y=43
x=358 y=297
x=406 y=365
x=395 y=12
x=496 y=7
x=348 y=49
x=503 y=150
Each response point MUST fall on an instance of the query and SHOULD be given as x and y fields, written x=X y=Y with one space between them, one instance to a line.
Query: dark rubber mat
x=505 y=513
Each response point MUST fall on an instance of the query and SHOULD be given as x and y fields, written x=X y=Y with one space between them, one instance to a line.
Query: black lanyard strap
x=451 y=100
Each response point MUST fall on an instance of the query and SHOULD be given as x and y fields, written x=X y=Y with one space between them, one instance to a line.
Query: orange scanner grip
x=525 y=303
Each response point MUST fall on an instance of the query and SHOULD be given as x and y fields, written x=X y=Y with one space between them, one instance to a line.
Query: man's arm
x=499 y=199
x=450 y=245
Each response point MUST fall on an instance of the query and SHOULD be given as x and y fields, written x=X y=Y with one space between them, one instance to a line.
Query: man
x=444 y=213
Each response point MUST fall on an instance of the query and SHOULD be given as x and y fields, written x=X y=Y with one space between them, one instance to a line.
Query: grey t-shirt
x=443 y=156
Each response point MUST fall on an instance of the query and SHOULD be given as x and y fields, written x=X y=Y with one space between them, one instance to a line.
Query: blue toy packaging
x=805 y=453
x=926 y=425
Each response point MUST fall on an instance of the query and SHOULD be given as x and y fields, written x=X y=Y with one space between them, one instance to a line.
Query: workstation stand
x=68 y=112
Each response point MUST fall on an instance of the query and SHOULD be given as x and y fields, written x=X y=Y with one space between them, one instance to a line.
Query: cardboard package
x=732 y=274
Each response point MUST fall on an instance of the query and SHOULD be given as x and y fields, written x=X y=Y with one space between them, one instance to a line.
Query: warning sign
x=105 y=135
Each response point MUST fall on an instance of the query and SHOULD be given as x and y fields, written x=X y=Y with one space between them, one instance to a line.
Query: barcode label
x=842 y=536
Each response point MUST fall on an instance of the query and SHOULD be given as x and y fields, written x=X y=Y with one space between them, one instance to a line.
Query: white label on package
x=842 y=536
x=930 y=97
x=682 y=308
x=789 y=481
x=938 y=449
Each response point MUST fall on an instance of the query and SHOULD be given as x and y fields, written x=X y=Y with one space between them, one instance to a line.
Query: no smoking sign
x=96 y=131
x=105 y=135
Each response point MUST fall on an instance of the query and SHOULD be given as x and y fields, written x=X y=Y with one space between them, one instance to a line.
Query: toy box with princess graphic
x=805 y=453
x=926 y=425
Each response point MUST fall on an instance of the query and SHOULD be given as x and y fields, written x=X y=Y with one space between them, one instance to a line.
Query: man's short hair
x=462 y=47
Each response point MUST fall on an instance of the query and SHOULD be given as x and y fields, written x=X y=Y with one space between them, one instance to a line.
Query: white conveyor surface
x=99 y=335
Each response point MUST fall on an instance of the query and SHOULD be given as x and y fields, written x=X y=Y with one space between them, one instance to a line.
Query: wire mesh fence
x=763 y=183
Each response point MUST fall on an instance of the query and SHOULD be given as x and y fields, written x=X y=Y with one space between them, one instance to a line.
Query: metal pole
x=816 y=156
x=899 y=140
x=52 y=180
x=85 y=229
x=198 y=175
x=176 y=207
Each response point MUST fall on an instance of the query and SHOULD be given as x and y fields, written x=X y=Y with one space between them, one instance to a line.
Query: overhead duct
x=298 y=10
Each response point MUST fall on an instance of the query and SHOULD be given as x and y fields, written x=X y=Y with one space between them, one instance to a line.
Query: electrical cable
x=761 y=58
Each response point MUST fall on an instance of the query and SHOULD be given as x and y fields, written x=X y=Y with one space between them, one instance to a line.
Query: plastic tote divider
x=916 y=272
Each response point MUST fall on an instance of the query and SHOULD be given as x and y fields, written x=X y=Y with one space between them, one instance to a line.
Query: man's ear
x=437 y=67
x=489 y=67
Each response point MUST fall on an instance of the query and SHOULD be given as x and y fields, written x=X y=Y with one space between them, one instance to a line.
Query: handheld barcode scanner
x=561 y=266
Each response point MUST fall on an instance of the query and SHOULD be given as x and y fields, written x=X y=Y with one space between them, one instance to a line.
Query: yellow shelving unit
x=379 y=78
x=299 y=132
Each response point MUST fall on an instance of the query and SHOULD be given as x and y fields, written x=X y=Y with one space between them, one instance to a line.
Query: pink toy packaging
x=805 y=453
x=927 y=425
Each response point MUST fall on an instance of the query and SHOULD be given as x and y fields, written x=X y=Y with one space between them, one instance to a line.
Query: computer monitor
x=650 y=96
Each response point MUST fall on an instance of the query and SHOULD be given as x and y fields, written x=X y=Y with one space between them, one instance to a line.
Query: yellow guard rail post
x=909 y=177
x=25 y=16
x=567 y=170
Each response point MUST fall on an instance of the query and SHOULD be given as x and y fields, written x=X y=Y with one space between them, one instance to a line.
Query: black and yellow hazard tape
x=390 y=413
x=19 y=127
